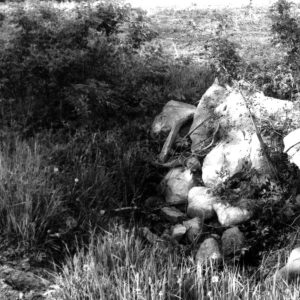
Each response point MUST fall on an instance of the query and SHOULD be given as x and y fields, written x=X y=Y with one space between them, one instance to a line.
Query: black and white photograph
x=149 y=150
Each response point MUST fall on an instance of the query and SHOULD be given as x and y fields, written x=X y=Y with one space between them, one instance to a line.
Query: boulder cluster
x=225 y=138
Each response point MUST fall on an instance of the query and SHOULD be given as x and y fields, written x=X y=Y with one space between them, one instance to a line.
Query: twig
x=122 y=209
x=191 y=132
x=261 y=142
x=213 y=139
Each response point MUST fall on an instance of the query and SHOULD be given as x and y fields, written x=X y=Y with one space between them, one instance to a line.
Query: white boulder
x=176 y=185
x=231 y=215
x=203 y=123
x=236 y=145
x=228 y=158
x=200 y=203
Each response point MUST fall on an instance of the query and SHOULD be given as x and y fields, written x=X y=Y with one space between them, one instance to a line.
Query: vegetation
x=79 y=87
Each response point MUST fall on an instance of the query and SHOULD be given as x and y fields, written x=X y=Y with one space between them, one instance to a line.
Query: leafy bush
x=286 y=31
x=225 y=60
x=57 y=67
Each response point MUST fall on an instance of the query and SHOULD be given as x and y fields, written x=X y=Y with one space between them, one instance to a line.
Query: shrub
x=59 y=67
x=225 y=60
x=286 y=31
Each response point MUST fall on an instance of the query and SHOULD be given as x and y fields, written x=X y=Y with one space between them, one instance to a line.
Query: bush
x=225 y=60
x=286 y=31
x=59 y=67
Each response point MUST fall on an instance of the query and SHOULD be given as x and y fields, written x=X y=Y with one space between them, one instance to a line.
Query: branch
x=261 y=142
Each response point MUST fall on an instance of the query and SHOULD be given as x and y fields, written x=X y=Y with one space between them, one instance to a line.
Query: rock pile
x=224 y=142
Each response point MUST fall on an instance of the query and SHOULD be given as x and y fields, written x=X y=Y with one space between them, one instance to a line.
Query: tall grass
x=119 y=265
x=29 y=201
x=47 y=180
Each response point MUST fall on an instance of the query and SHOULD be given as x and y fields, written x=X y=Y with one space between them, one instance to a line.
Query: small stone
x=232 y=241
x=200 y=203
x=231 y=215
x=209 y=251
x=176 y=185
x=173 y=214
x=194 y=228
x=178 y=231
x=292 y=268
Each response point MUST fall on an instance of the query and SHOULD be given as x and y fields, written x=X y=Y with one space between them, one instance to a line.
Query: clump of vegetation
x=286 y=31
x=225 y=60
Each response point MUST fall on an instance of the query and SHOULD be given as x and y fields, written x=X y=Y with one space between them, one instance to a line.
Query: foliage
x=225 y=59
x=59 y=67
x=286 y=31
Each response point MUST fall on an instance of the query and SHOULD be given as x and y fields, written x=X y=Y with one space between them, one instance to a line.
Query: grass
x=119 y=265
x=30 y=201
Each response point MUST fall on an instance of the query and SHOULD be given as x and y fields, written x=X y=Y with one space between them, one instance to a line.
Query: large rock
x=237 y=146
x=173 y=214
x=172 y=112
x=231 y=215
x=176 y=185
x=292 y=268
x=232 y=241
x=228 y=158
x=200 y=203
x=209 y=252
x=203 y=123
x=194 y=228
